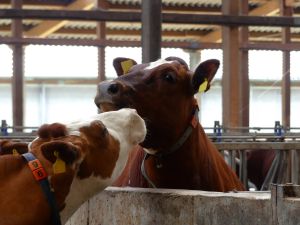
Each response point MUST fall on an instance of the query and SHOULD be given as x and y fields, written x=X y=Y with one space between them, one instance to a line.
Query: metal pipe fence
x=234 y=147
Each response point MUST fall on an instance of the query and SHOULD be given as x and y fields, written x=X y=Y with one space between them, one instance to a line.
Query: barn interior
x=192 y=26
x=254 y=100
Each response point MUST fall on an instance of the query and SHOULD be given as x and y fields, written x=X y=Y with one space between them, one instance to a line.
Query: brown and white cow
x=80 y=159
x=178 y=154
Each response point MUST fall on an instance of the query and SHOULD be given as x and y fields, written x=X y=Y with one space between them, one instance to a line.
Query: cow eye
x=170 y=77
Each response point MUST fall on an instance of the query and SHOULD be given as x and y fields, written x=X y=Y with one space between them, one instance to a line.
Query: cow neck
x=175 y=147
x=41 y=176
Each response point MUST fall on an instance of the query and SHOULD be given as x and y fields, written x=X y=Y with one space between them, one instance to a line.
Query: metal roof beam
x=175 y=18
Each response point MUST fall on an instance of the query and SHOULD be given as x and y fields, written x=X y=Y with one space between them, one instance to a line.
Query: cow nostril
x=113 y=89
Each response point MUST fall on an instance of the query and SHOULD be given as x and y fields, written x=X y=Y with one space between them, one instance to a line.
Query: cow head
x=60 y=155
x=108 y=149
x=95 y=148
x=13 y=147
x=162 y=92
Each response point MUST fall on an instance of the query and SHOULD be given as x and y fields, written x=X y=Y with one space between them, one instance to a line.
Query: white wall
x=49 y=103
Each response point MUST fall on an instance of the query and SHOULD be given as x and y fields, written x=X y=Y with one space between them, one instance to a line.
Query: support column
x=231 y=98
x=18 y=71
x=244 y=88
x=235 y=82
x=151 y=30
x=101 y=35
x=285 y=10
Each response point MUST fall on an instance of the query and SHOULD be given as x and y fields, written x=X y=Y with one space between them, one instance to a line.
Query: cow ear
x=60 y=150
x=204 y=74
x=123 y=65
x=15 y=148
x=52 y=130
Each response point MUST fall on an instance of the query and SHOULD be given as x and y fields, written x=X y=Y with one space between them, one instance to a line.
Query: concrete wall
x=135 y=206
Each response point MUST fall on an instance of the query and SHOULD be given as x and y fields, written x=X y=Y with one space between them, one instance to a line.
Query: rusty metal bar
x=231 y=98
x=104 y=43
x=271 y=46
x=101 y=15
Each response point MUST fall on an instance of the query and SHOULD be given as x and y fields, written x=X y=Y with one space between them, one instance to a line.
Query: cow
x=13 y=147
x=258 y=165
x=177 y=152
x=78 y=159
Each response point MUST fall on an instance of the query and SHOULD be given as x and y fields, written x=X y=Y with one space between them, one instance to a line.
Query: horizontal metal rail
x=222 y=145
x=257 y=145
x=119 y=16
x=235 y=153
x=104 y=43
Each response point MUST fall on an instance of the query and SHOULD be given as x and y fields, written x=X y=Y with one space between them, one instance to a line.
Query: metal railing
x=234 y=146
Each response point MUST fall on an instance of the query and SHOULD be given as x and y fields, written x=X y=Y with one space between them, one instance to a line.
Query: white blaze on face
x=157 y=63
x=129 y=129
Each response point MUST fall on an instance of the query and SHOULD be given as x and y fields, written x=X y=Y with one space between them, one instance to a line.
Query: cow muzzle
x=109 y=96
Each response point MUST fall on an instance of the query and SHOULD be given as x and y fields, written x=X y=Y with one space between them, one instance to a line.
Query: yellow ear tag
x=203 y=86
x=15 y=152
x=126 y=65
x=59 y=165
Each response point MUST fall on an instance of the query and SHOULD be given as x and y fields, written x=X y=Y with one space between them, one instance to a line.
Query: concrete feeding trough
x=139 y=206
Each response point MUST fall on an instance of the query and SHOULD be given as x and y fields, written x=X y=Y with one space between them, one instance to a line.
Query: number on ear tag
x=59 y=165
x=126 y=65
x=203 y=86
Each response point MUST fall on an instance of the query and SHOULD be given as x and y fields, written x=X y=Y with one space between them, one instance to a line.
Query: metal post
x=151 y=30
x=101 y=35
x=18 y=71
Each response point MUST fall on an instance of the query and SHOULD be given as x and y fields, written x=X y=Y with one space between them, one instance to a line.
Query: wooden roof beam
x=49 y=26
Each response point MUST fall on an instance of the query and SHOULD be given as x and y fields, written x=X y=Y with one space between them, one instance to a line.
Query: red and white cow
x=178 y=154
x=80 y=159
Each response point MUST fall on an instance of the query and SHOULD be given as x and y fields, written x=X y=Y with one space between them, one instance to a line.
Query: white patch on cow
x=126 y=126
x=157 y=63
